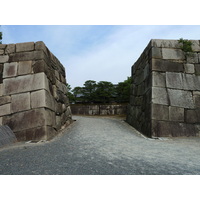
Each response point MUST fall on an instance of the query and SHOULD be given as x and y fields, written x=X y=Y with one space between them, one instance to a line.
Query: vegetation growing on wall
x=186 y=45
x=101 y=92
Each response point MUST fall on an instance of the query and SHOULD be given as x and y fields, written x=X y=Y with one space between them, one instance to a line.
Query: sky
x=96 y=52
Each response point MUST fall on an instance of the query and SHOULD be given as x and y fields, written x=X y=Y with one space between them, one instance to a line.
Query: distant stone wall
x=165 y=93
x=33 y=93
x=119 y=109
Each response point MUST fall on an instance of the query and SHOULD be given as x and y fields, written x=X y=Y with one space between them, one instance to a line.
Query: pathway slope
x=103 y=146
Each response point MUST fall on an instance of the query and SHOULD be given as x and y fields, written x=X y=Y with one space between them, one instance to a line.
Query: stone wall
x=165 y=93
x=119 y=109
x=33 y=93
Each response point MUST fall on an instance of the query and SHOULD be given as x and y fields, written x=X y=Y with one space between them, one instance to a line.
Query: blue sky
x=96 y=52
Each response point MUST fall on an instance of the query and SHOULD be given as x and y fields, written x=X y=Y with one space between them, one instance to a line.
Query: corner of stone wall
x=33 y=92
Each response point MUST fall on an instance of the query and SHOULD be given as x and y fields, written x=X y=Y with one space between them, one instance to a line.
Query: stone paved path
x=98 y=145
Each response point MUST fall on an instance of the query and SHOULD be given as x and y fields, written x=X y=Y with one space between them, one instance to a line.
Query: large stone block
x=189 y=68
x=196 y=97
x=20 y=102
x=27 y=119
x=159 y=96
x=42 y=98
x=156 y=52
x=176 y=114
x=197 y=69
x=23 y=56
x=4 y=58
x=26 y=46
x=10 y=48
x=160 y=112
x=192 y=58
x=193 y=116
x=165 y=43
x=1 y=90
x=173 y=54
x=40 y=66
x=174 y=80
x=10 y=69
x=1 y=51
x=180 y=98
x=25 y=67
x=166 y=66
x=5 y=109
x=25 y=84
x=158 y=79
x=5 y=100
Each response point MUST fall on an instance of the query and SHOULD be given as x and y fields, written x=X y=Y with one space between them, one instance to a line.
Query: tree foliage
x=1 y=37
x=101 y=92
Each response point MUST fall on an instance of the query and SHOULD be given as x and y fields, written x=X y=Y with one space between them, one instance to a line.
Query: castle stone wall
x=172 y=107
x=33 y=93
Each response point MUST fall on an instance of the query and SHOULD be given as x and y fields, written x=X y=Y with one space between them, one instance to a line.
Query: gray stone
x=190 y=82
x=4 y=58
x=176 y=114
x=197 y=69
x=196 y=97
x=165 y=43
x=159 y=96
x=6 y=136
x=26 y=46
x=195 y=45
x=10 y=69
x=173 y=54
x=25 y=67
x=5 y=109
x=20 y=102
x=180 y=98
x=192 y=57
x=5 y=100
x=189 y=68
x=1 y=51
x=10 y=48
x=160 y=112
x=158 y=79
x=193 y=116
x=156 y=52
x=25 y=84
x=174 y=80
x=31 y=119
x=42 y=98
x=1 y=90
x=166 y=66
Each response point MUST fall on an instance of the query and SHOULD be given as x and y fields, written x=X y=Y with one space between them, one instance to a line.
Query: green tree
x=105 y=92
x=89 y=91
x=69 y=94
x=78 y=95
x=123 y=91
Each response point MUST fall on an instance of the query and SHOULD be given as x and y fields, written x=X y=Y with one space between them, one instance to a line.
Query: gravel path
x=102 y=145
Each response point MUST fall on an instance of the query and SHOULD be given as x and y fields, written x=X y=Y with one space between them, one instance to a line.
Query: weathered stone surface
x=197 y=69
x=172 y=54
x=1 y=90
x=20 y=102
x=10 y=69
x=41 y=46
x=191 y=82
x=5 y=100
x=25 y=67
x=174 y=80
x=1 y=121
x=165 y=43
x=195 y=45
x=176 y=114
x=156 y=52
x=189 y=68
x=26 y=120
x=23 y=56
x=175 y=129
x=158 y=79
x=42 y=98
x=40 y=66
x=192 y=58
x=5 y=109
x=4 y=58
x=160 y=112
x=25 y=83
x=196 y=97
x=2 y=46
x=193 y=116
x=166 y=66
x=159 y=96
x=27 y=46
x=1 y=51
x=10 y=48
x=180 y=98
